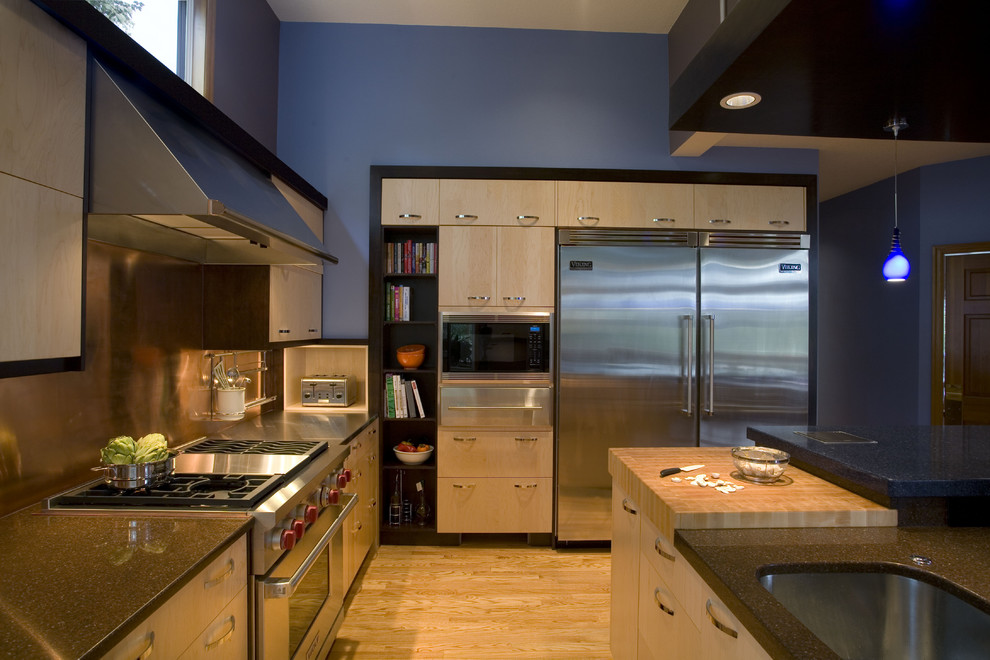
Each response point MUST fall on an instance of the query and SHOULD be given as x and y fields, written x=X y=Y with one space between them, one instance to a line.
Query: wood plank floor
x=484 y=599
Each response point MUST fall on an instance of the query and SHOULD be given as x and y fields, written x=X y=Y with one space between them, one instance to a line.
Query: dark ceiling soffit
x=843 y=68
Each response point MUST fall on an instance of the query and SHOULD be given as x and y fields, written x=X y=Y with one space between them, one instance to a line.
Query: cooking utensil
x=128 y=476
x=674 y=470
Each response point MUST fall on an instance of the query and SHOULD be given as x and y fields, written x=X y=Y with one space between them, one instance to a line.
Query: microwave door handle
x=285 y=587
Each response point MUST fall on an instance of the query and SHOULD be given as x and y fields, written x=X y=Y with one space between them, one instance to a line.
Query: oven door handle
x=494 y=407
x=285 y=587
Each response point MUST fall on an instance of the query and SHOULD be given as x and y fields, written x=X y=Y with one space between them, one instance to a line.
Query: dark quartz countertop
x=73 y=584
x=897 y=462
x=731 y=561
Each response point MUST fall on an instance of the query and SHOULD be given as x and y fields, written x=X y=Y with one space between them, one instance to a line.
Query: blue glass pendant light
x=896 y=267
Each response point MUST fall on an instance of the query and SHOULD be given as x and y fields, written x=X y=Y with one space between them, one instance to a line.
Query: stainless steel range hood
x=161 y=183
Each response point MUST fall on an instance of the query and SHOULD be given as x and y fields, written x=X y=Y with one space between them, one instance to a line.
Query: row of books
x=410 y=257
x=402 y=398
x=397 y=302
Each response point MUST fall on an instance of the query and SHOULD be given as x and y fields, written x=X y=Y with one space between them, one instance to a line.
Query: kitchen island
x=933 y=475
x=75 y=583
x=694 y=555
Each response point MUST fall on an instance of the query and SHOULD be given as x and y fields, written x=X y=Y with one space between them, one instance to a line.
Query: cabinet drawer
x=665 y=630
x=505 y=407
x=226 y=636
x=473 y=453
x=503 y=505
x=497 y=202
x=659 y=551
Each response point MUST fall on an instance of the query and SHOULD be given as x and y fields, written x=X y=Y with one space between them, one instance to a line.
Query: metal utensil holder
x=223 y=362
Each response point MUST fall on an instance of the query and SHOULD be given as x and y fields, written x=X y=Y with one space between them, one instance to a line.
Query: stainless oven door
x=298 y=601
x=496 y=405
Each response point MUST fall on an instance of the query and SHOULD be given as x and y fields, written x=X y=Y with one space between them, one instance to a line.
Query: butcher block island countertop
x=798 y=499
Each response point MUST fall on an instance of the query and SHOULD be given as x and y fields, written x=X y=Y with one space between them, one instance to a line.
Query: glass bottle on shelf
x=422 y=508
x=395 y=504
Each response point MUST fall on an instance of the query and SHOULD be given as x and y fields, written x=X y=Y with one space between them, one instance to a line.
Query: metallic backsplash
x=145 y=372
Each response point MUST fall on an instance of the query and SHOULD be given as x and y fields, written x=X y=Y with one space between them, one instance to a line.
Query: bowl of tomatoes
x=413 y=454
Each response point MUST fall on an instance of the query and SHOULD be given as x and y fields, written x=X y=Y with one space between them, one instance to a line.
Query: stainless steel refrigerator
x=671 y=339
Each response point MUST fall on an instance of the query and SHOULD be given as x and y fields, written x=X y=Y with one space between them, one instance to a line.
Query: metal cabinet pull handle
x=534 y=218
x=779 y=223
x=718 y=624
x=223 y=576
x=664 y=220
x=226 y=637
x=463 y=485
x=456 y=439
x=466 y=216
x=146 y=653
x=628 y=509
x=660 y=551
x=710 y=408
x=410 y=216
x=585 y=219
x=689 y=362
x=516 y=298
x=664 y=608
x=479 y=297
x=526 y=439
x=525 y=485
x=719 y=221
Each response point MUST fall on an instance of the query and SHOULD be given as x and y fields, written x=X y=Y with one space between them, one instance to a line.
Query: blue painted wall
x=353 y=96
x=875 y=338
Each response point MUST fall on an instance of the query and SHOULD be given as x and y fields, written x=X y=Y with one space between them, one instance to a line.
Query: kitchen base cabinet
x=625 y=576
x=204 y=610
x=494 y=505
x=361 y=528
x=665 y=629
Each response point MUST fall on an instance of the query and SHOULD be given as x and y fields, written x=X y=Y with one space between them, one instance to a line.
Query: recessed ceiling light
x=740 y=100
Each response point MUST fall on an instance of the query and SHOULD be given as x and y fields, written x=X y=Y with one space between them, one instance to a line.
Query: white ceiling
x=844 y=164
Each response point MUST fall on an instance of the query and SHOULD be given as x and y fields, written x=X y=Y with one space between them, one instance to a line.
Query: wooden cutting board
x=798 y=499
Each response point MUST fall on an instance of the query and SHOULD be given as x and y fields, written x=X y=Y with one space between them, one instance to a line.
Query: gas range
x=284 y=485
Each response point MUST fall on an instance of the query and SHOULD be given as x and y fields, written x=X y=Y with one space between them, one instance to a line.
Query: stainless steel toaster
x=338 y=390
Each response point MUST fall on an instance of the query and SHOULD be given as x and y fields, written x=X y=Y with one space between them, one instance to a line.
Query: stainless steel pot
x=129 y=476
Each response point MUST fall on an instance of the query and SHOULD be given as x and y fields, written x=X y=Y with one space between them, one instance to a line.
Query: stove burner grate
x=212 y=491
x=282 y=447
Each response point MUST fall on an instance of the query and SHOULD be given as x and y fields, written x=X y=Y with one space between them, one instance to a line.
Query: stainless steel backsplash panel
x=145 y=371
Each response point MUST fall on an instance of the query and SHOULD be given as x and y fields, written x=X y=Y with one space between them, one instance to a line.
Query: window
x=179 y=33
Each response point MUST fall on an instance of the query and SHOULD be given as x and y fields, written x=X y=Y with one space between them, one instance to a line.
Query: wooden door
x=749 y=208
x=467 y=266
x=966 y=397
x=525 y=267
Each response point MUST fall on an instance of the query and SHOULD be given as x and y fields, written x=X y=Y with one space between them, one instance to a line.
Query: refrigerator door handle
x=709 y=409
x=689 y=361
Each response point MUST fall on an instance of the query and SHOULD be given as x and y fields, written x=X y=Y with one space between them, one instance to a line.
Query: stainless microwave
x=496 y=346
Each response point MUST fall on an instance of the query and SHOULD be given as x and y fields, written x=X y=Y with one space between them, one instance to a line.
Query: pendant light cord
x=896 y=127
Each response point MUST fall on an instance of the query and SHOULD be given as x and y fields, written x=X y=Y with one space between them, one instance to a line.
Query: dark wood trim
x=18 y=368
x=939 y=253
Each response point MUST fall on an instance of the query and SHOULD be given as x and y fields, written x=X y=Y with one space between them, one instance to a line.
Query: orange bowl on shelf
x=411 y=356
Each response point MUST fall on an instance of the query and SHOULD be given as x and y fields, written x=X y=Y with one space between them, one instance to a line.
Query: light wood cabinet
x=497 y=202
x=494 y=505
x=361 y=530
x=42 y=168
x=482 y=453
x=206 y=618
x=296 y=299
x=617 y=204
x=496 y=267
x=665 y=630
x=625 y=575
x=411 y=202
x=722 y=635
x=750 y=208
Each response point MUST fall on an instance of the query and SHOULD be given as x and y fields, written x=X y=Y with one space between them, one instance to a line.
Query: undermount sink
x=882 y=615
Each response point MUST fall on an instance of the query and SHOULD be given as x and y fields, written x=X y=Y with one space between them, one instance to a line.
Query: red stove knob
x=310 y=514
x=298 y=528
x=347 y=474
x=341 y=480
x=333 y=496
x=284 y=539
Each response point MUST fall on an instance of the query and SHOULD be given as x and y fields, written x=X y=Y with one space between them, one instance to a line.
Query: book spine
x=389 y=398
x=419 y=401
x=405 y=303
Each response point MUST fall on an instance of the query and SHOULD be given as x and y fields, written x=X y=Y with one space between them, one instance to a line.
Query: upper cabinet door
x=467 y=266
x=410 y=202
x=625 y=204
x=525 y=267
x=497 y=202
x=753 y=208
x=43 y=87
